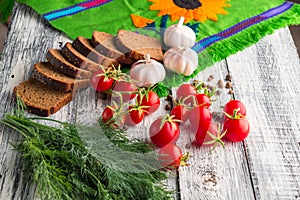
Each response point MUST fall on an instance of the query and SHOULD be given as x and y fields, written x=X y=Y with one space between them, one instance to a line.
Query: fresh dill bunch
x=80 y=162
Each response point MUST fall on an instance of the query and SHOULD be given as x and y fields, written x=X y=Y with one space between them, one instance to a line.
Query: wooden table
x=266 y=77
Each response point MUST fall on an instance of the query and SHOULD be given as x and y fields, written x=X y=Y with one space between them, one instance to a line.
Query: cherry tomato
x=107 y=114
x=202 y=136
x=202 y=99
x=180 y=113
x=234 y=104
x=163 y=131
x=184 y=91
x=237 y=129
x=198 y=117
x=135 y=116
x=100 y=81
x=151 y=100
x=170 y=156
x=128 y=89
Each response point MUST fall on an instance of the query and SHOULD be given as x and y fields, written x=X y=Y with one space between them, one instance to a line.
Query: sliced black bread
x=79 y=60
x=104 y=44
x=47 y=74
x=137 y=45
x=83 y=46
x=41 y=99
x=57 y=60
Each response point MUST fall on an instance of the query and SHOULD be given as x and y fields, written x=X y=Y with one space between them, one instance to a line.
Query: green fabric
x=5 y=10
x=115 y=15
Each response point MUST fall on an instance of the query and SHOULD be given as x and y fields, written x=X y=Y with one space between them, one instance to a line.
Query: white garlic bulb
x=179 y=35
x=147 y=72
x=181 y=60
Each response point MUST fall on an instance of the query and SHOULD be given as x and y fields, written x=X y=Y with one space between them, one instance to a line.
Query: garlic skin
x=181 y=60
x=147 y=72
x=179 y=35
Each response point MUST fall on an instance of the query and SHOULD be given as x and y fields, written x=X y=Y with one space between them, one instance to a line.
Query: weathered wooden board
x=27 y=43
x=221 y=173
x=266 y=77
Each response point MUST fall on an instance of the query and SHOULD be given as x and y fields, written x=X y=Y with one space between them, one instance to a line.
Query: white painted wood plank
x=222 y=173
x=266 y=78
x=24 y=47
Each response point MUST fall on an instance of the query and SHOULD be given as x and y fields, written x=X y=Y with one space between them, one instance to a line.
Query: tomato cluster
x=143 y=102
x=193 y=105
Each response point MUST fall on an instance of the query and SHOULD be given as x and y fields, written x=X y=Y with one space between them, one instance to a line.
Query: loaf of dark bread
x=83 y=46
x=41 y=99
x=137 y=45
x=57 y=60
x=79 y=60
x=47 y=74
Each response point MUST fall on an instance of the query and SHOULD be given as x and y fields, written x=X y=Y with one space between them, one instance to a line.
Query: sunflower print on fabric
x=199 y=10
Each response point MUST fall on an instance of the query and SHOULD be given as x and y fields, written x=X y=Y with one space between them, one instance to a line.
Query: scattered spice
x=218 y=92
x=230 y=92
x=169 y=97
x=220 y=84
x=210 y=78
x=228 y=85
x=167 y=107
x=228 y=77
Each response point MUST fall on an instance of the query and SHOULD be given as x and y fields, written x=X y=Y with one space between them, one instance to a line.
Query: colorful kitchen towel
x=223 y=27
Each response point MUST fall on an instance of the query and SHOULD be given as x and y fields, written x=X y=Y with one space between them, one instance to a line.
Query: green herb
x=86 y=162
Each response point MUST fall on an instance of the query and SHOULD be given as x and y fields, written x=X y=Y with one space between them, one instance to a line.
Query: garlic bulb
x=181 y=60
x=147 y=72
x=179 y=35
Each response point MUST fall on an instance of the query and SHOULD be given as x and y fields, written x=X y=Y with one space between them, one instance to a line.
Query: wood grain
x=265 y=77
x=268 y=83
x=218 y=174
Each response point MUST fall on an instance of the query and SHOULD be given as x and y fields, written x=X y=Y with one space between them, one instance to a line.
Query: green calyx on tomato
x=147 y=97
x=235 y=115
x=216 y=138
x=114 y=115
x=169 y=118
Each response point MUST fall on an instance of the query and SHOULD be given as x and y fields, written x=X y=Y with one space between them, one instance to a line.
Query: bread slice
x=57 y=60
x=76 y=58
x=46 y=73
x=41 y=99
x=83 y=46
x=137 y=45
x=104 y=44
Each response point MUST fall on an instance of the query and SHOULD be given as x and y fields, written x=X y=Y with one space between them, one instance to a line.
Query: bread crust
x=79 y=60
x=57 y=60
x=83 y=46
x=126 y=40
x=40 y=108
x=57 y=81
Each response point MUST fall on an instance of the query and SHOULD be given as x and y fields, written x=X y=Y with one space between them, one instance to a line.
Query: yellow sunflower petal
x=212 y=16
x=198 y=16
x=188 y=16
x=208 y=10
x=139 y=21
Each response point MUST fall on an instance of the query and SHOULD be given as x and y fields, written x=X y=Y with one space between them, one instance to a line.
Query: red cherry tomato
x=100 y=81
x=202 y=99
x=234 y=104
x=151 y=100
x=180 y=113
x=202 y=136
x=170 y=156
x=237 y=129
x=199 y=116
x=107 y=114
x=135 y=116
x=184 y=91
x=128 y=89
x=164 y=131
